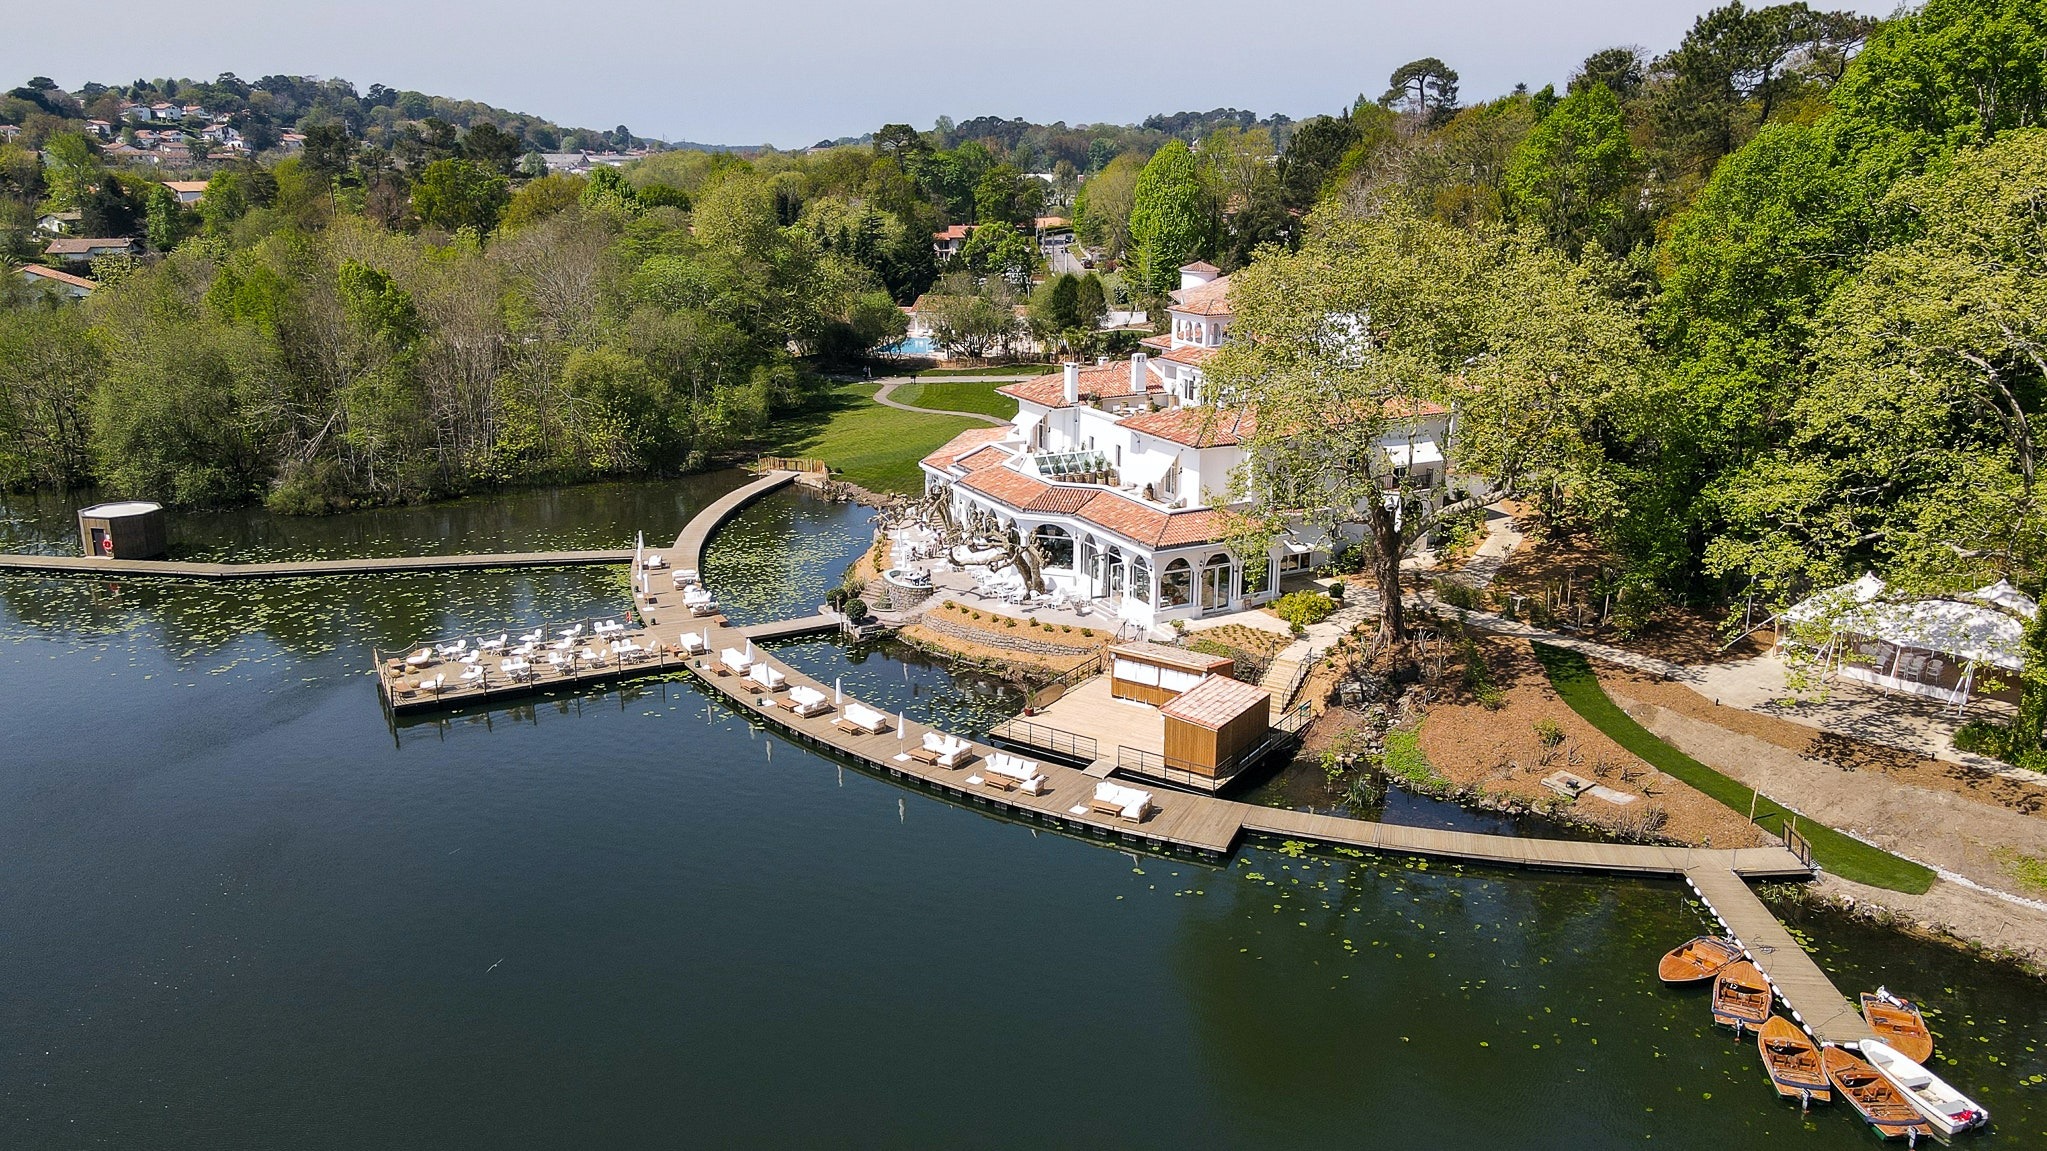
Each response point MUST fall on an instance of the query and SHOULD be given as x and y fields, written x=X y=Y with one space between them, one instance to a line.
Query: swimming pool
x=912 y=346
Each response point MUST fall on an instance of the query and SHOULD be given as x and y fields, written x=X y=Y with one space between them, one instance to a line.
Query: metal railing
x=1800 y=846
x=1050 y=740
x=1172 y=769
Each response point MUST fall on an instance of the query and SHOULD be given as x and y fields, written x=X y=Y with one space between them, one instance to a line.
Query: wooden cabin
x=1213 y=723
x=125 y=530
x=1154 y=673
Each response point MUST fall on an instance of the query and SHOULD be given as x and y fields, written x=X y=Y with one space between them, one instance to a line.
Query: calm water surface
x=241 y=908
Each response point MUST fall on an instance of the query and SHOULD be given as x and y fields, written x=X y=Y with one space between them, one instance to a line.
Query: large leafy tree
x=1172 y=218
x=1914 y=450
x=1576 y=176
x=457 y=194
x=1383 y=318
x=1425 y=88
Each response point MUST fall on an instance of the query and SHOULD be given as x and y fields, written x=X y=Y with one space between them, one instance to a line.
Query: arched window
x=1218 y=582
x=1055 y=545
x=1176 y=585
x=1140 y=579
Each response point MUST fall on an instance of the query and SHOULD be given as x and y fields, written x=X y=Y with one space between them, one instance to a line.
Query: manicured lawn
x=1572 y=676
x=958 y=397
x=874 y=446
x=1025 y=371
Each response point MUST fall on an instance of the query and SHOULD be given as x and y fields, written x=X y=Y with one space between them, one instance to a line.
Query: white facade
x=1118 y=470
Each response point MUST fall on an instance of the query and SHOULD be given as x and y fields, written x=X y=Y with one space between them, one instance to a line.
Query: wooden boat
x=1697 y=961
x=1947 y=1109
x=1897 y=1022
x=1793 y=1061
x=1872 y=1095
x=1741 y=996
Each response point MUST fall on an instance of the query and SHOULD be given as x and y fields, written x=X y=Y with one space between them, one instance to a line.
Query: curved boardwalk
x=1200 y=823
x=292 y=569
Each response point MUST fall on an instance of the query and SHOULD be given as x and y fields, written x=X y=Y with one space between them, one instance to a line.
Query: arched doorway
x=1218 y=581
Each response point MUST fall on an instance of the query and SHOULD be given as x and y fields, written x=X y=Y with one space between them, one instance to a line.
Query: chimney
x=1139 y=380
x=1071 y=390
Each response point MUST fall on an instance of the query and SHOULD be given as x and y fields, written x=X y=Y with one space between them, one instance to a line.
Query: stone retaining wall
x=1018 y=638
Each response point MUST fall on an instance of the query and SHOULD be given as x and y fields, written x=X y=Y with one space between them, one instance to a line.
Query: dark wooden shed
x=125 y=530
x=1213 y=723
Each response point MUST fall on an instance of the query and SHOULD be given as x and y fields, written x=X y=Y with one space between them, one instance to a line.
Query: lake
x=242 y=907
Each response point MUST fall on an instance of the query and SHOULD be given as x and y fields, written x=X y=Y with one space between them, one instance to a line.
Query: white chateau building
x=1114 y=468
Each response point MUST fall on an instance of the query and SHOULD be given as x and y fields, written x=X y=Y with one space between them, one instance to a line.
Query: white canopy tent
x=1912 y=645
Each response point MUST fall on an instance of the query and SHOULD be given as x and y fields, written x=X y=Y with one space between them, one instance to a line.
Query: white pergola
x=1910 y=644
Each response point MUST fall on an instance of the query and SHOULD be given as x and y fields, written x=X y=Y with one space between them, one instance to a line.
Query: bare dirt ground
x=1500 y=752
x=1962 y=821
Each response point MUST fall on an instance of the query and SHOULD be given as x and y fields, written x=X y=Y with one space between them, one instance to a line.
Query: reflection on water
x=240 y=913
x=580 y=517
x=780 y=556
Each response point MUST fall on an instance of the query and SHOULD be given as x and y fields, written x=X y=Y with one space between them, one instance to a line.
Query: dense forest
x=1824 y=232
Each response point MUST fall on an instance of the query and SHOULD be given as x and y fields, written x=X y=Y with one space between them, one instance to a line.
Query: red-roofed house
x=1115 y=470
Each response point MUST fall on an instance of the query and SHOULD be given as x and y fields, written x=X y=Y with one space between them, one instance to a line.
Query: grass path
x=874 y=446
x=1572 y=675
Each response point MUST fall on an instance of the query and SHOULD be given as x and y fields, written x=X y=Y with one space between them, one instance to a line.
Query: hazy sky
x=795 y=71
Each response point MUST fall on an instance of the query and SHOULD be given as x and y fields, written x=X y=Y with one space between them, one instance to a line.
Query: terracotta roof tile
x=1199 y=266
x=1006 y=484
x=1111 y=379
x=987 y=457
x=1197 y=427
x=1191 y=356
x=1210 y=299
x=964 y=443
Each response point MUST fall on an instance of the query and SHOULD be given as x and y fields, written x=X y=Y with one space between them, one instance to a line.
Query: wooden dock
x=1813 y=1000
x=296 y=569
x=1182 y=821
x=689 y=544
x=1516 y=851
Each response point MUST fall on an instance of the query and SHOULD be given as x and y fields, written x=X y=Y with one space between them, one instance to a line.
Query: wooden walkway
x=1515 y=851
x=294 y=569
x=689 y=545
x=1182 y=821
x=789 y=628
x=1813 y=1000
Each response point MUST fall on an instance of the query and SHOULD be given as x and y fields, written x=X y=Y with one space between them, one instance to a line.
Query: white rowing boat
x=1946 y=1108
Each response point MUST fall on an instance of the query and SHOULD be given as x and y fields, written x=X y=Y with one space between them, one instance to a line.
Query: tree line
x=1754 y=316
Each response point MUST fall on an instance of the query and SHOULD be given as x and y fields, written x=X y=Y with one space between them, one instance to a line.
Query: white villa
x=1114 y=469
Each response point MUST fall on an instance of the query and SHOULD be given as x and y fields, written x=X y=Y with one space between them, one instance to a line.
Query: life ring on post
x=107 y=545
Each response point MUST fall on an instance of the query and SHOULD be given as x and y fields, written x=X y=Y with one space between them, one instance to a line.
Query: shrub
x=1981 y=737
x=1457 y=594
x=1405 y=759
x=856 y=609
x=1066 y=627
x=1301 y=608
x=1549 y=731
x=1087 y=633
x=1009 y=621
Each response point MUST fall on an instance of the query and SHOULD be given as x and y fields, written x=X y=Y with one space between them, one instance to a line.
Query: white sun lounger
x=947 y=750
x=735 y=660
x=1011 y=772
x=805 y=700
x=766 y=676
x=1123 y=802
x=864 y=718
x=691 y=643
